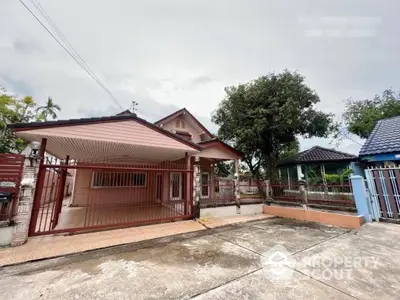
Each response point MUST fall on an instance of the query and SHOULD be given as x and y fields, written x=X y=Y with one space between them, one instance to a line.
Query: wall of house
x=50 y=186
x=217 y=152
x=84 y=194
x=193 y=130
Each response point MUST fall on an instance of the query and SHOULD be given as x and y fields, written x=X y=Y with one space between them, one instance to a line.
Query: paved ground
x=59 y=245
x=270 y=259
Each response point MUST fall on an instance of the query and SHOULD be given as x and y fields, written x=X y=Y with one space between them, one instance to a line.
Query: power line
x=78 y=60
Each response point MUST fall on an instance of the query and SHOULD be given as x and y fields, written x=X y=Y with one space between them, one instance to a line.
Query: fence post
x=237 y=188
x=267 y=192
x=23 y=213
x=372 y=194
x=361 y=197
x=303 y=194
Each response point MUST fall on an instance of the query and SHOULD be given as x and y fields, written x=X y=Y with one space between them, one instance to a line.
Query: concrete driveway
x=271 y=259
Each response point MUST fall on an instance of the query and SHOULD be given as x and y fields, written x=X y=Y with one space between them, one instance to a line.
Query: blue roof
x=385 y=138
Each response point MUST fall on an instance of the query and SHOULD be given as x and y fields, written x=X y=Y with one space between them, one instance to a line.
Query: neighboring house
x=383 y=144
x=127 y=170
x=314 y=162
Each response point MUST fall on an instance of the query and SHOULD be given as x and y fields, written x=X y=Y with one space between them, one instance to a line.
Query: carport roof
x=123 y=116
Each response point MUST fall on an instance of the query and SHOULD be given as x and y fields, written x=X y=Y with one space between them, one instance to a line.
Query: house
x=312 y=163
x=383 y=144
x=127 y=171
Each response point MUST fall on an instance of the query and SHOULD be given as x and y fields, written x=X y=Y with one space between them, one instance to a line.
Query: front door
x=176 y=186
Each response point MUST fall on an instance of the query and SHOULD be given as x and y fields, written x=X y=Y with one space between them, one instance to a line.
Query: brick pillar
x=196 y=186
x=23 y=213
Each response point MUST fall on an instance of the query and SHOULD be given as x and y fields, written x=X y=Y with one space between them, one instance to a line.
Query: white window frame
x=118 y=186
x=179 y=197
x=208 y=185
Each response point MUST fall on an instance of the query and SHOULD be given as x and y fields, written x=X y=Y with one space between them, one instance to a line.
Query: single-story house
x=383 y=144
x=311 y=164
x=126 y=170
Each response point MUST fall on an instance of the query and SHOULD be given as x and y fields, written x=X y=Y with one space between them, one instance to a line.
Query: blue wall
x=381 y=157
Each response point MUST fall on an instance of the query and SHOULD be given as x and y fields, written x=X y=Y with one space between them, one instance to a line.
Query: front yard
x=270 y=259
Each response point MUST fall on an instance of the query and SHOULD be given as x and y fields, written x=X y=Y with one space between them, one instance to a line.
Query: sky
x=169 y=54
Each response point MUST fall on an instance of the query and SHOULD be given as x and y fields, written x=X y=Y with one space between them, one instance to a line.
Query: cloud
x=172 y=54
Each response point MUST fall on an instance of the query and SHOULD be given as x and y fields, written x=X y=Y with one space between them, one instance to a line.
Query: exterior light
x=33 y=156
x=35 y=146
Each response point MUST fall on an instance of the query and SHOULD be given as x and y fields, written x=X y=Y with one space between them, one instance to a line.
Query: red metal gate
x=11 y=169
x=76 y=197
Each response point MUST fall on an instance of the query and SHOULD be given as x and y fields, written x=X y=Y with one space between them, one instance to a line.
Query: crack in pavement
x=262 y=267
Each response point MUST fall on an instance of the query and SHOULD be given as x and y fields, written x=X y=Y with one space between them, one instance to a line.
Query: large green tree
x=262 y=118
x=20 y=110
x=361 y=116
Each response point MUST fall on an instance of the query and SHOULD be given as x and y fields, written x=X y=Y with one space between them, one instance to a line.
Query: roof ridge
x=336 y=151
x=179 y=112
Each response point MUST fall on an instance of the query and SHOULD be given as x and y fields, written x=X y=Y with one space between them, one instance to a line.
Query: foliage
x=49 y=109
x=262 y=117
x=289 y=150
x=338 y=178
x=361 y=116
x=224 y=169
x=21 y=110
x=312 y=177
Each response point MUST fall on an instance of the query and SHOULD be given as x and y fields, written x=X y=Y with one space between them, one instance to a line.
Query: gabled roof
x=384 y=138
x=216 y=141
x=318 y=154
x=181 y=112
x=123 y=116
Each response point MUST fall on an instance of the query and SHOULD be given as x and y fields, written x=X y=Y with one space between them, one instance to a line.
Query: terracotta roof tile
x=318 y=154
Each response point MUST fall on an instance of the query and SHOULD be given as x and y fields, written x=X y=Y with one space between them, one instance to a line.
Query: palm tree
x=49 y=109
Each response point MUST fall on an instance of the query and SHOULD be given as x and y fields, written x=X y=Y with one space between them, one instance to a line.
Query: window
x=179 y=124
x=118 y=179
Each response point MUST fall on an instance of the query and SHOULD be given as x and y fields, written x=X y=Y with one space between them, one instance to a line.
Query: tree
x=263 y=117
x=49 y=109
x=361 y=116
x=20 y=110
x=289 y=150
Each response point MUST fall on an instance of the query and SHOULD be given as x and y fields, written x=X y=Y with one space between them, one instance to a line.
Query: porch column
x=237 y=190
x=196 y=186
x=299 y=173
x=187 y=184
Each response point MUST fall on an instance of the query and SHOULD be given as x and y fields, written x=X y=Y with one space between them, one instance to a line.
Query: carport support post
x=361 y=197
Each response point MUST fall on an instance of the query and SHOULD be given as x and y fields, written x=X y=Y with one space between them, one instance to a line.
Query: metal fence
x=331 y=196
x=384 y=188
x=108 y=195
x=11 y=169
x=221 y=192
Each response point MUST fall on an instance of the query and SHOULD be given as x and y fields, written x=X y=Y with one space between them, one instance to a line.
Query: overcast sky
x=169 y=54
